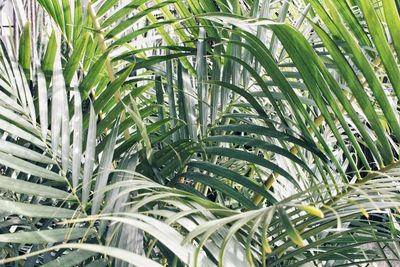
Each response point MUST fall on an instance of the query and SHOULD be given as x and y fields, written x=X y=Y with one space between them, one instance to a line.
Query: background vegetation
x=199 y=133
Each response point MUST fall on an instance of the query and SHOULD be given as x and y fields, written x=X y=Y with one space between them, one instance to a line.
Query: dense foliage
x=200 y=133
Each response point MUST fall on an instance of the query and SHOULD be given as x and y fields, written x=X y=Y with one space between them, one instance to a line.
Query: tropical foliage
x=200 y=133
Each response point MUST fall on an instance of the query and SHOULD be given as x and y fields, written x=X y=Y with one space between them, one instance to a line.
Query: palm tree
x=200 y=133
